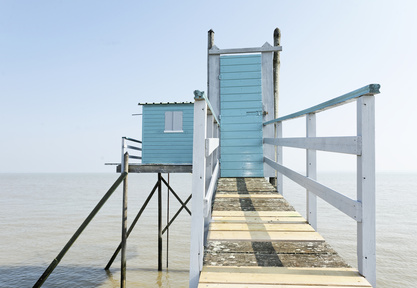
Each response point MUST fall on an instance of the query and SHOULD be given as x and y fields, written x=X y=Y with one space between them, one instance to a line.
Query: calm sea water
x=40 y=212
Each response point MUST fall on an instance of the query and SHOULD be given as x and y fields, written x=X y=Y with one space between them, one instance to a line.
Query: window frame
x=175 y=119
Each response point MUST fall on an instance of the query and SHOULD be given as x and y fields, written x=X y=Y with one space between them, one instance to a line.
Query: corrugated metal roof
x=164 y=103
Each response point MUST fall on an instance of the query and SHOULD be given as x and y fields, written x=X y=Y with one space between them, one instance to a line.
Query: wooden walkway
x=257 y=239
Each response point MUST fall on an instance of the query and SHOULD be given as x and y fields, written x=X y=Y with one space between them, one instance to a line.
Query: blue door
x=241 y=116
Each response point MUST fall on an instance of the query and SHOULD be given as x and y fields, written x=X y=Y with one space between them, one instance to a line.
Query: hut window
x=173 y=121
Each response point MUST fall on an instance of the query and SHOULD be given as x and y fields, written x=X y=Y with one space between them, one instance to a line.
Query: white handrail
x=362 y=145
x=204 y=180
x=125 y=147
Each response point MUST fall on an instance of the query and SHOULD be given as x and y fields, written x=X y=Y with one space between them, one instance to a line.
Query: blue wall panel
x=166 y=148
x=241 y=116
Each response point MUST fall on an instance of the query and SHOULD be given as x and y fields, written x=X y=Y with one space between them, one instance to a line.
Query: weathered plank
x=254 y=242
x=250 y=195
x=283 y=276
x=264 y=236
x=282 y=247
x=256 y=214
x=225 y=226
x=262 y=219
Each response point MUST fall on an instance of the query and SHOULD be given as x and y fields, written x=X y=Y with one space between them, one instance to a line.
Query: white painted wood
x=311 y=169
x=210 y=191
x=124 y=148
x=198 y=191
x=366 y=188
x=348 y=206
x=280 y=184
x=264 y=48
x=332 y=103
x=209 y=160
x=214 y=82
x=268 y=107
x=211 y=145
x=345 y=144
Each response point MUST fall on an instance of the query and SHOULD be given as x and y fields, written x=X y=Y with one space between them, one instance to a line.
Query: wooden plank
x=265 y=48
x=198 y=191
x=346 y=144
x=225 y=226
x=311 y=200
x=211 y=145
x=283 y=276
x=256 y=213
x=348 y=206
x=370 y=89
x=213 y=86
x=268 y=107
x=272 y=196
x=159 y=168
x=366 y=188
x=264 y=236
x=232 y=219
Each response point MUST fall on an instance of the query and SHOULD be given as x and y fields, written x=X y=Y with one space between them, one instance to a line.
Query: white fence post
x=280 y=186
x=198 y=190
x=124 y=148
x=366 y=188
x=311 y=171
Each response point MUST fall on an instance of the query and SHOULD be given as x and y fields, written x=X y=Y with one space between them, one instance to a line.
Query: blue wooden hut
x=167 y=133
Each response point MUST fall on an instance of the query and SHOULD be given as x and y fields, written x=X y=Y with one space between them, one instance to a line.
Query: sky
x=73 y=72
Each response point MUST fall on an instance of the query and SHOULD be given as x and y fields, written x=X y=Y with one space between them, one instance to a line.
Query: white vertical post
x=268 y=107
x=124 y=148
x=198 y=191
x=280 y=185
x=209 y=160
x=366 y=188
x=311 y=171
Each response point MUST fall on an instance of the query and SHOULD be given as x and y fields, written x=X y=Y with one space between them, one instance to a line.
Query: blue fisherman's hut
x=167 y=133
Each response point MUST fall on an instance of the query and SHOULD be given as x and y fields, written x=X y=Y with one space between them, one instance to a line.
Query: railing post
x=209 y=160
x=124 y=222
x=311 y=171
x=366 y=188
x=280 y=185
x=198 y=190
x=124 y=148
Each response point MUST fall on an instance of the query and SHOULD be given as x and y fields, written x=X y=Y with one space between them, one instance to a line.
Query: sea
x=40 y=212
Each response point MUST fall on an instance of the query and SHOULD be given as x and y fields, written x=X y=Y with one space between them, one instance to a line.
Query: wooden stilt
x=176 y=214
x=159 y=222
x=132 y=226
x=77 y=233
x=124 y=224
x=167 y=220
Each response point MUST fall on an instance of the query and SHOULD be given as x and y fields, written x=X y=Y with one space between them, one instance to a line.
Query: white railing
x=126 y=148
x=362 y=145
x=204 y=181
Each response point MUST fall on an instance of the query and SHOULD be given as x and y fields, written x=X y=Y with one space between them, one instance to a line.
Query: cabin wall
x=160 y=147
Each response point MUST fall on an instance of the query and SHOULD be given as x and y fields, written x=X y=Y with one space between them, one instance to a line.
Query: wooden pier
x=257 y=239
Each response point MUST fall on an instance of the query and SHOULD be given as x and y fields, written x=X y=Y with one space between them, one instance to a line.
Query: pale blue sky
x=72 y=72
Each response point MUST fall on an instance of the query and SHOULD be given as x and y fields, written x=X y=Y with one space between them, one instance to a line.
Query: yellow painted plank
x=265 y=219
x=271 y=196
x=264 y=236
x=256 y=213
x=282 y=276
x=222 y=226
